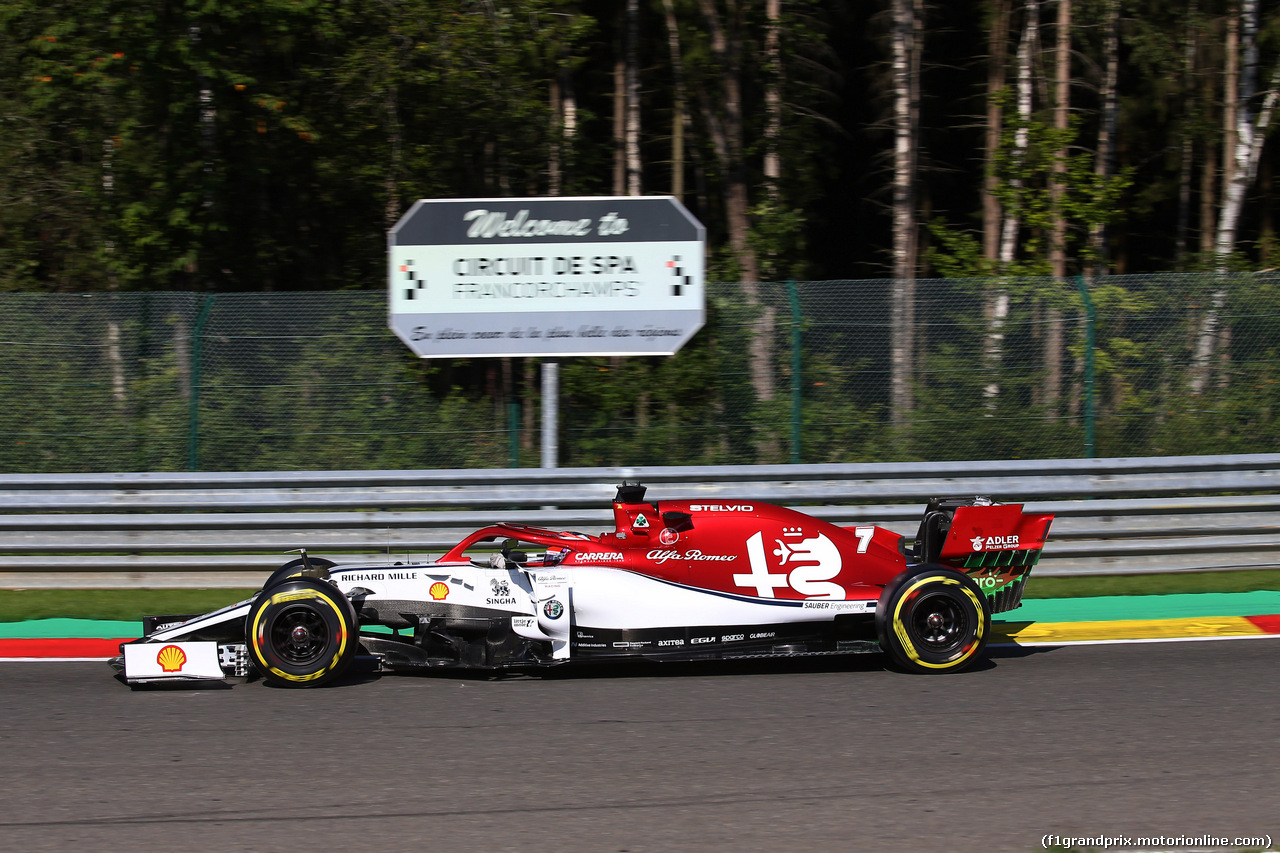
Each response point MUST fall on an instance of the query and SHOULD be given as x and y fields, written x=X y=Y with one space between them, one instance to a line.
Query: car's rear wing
x=995 y=544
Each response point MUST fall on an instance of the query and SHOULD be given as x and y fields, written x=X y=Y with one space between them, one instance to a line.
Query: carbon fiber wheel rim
x=299 y=635
x=939 y=623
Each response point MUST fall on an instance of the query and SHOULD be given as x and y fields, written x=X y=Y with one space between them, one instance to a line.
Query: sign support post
x=550 y=414
x=546 y=277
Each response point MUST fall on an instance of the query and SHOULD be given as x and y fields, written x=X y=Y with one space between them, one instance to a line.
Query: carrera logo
x=599 y=557
x=722 y=507
x=994 y=543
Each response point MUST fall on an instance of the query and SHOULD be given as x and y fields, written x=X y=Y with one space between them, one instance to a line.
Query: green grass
x=1169 y=584
x=125 y=605
x=129 y=605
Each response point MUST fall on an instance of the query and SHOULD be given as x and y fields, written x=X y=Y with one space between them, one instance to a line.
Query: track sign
x=547 y=276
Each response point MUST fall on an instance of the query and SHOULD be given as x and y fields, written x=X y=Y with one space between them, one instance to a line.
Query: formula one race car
x=675 y=580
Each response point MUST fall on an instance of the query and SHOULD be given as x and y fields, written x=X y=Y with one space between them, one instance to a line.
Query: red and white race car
x=674 y=580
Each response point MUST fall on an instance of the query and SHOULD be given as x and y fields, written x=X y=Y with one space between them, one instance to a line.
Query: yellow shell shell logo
x=439 y=591
x=171 y=659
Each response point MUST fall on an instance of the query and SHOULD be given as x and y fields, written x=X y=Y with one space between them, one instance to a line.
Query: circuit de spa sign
x=546 y=276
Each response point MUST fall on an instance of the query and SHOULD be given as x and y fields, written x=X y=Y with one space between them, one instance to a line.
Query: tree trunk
x=1188 y=147
x=633 y=98
x=1250 y=135
x=1026 y=49
x=1053 y=346
x=1061 y=114
x=1208 y=182
x=678 y=116
x=728 y=131
x=619 y=126
x=772 y=98
x=1104 y=165
x=392 y=179
x=1231 y=91
x=997 y=55
x=555 y=168
x=998 y=306
x=905 y=120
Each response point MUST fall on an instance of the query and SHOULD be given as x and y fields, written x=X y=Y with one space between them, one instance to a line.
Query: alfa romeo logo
x=553 y=609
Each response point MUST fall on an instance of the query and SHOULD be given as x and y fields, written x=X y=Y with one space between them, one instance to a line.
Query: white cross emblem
x=761 y=578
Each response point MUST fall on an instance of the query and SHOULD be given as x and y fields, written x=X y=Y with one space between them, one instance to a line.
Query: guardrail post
x=197 y=363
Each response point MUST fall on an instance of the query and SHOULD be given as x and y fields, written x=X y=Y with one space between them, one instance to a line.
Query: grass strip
x=1174 y=583
x=131 y=605
x=123 y=605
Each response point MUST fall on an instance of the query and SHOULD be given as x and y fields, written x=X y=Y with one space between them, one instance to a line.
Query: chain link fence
x=824 y=371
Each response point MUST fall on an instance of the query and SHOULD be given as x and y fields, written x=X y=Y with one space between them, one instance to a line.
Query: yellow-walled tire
x=297 y=568
x=301 y=632
x=933 y=619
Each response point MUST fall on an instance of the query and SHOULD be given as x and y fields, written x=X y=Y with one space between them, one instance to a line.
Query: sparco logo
x=599 y=557
x=661 y=557
x=495 y=224
x=722 y=507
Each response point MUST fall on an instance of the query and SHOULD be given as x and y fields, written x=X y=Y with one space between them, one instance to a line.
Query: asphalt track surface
x=1135 y=739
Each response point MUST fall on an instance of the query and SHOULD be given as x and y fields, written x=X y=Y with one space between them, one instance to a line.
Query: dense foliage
x=225 y=148
x=234 y=145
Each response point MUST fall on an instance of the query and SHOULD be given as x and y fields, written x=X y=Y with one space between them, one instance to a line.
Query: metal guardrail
x=1114 y=516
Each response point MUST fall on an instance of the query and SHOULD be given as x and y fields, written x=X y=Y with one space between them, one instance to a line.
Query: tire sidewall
x=909 y=591
x=294 y=568
x=290 y=599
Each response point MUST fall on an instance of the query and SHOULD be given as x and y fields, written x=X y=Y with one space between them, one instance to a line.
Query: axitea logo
x=994 y=543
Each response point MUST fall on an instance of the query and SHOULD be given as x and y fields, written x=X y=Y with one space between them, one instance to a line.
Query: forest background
x=981 y=176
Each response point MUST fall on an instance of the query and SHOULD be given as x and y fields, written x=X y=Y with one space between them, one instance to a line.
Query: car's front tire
x=933 y=619
x=301 y=632
x=299 y=567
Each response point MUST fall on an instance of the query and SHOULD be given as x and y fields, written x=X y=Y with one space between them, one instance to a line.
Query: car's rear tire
x=301 y=632
x=933 y=619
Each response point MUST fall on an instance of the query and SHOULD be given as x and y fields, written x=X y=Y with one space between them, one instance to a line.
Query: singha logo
x=501 y=589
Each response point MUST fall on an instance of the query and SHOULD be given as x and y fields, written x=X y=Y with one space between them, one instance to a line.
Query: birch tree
x=906 y=121
x=1249 y=136
x=679 y=115
x=998 y=304
x=1104 y=166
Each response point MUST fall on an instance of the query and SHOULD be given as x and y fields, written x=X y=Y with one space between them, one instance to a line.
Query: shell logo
x=439 y=591
x=171 y=659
